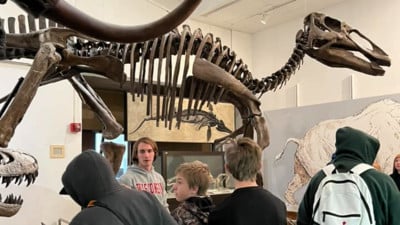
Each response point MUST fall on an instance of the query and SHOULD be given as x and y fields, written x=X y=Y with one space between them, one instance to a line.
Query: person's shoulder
x=179 y=210
x=96 y=216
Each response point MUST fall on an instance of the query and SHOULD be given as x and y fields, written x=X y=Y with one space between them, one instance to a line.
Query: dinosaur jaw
x=336 y=44
x=10 y=206
x=15 y=167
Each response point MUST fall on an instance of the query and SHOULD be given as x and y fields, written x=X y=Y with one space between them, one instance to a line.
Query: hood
x=205 y=204
x=89 y=177
x=354 y=146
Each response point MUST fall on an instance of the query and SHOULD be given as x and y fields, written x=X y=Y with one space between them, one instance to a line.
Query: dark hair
x=394 y=160
x=145 y=140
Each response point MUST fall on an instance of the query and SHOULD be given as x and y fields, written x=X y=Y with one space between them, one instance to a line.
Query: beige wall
x=315 y=83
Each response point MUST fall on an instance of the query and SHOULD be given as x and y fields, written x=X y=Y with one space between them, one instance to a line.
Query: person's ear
x=195 y=189
x=226 y=168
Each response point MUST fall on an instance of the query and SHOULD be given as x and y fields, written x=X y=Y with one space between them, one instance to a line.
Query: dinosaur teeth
x=29 y=179
x=11 y=199
x=6 y=180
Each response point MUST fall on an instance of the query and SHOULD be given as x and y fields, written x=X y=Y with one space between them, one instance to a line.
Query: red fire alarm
x=75 y=127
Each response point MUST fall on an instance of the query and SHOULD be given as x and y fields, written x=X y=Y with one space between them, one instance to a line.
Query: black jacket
x=90 y=181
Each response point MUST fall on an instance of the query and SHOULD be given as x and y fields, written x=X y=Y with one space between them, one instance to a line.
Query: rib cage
x=182 y=45
x=141 y=56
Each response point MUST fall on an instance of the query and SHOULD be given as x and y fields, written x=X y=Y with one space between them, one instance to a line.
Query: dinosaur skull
x=336 y=44
x=15 y=166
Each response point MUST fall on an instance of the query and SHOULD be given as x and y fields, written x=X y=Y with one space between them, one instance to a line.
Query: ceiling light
x=263 y=19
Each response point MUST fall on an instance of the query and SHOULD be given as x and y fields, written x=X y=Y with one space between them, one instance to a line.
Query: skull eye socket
x=318 y=43
x=332 y=24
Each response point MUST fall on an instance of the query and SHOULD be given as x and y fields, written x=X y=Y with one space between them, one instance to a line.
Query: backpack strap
x=357 y=169
x=329 y=169
x=361 y=168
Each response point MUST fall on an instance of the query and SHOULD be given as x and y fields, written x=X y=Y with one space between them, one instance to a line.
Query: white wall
x=317 y=83
x=44 y=124
x=56 y=105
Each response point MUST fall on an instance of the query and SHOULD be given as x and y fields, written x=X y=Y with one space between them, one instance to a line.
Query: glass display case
x=170 y=160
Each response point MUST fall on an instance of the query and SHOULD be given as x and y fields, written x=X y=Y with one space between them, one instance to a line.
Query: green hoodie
x=354 y=147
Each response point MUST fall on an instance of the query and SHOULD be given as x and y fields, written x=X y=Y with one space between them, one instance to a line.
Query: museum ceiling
x=246 y=15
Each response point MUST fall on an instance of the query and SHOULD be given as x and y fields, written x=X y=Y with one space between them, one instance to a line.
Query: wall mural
x=306 y=136
x=208 y=124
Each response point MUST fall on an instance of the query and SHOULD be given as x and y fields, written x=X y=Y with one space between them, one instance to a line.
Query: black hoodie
x=353 y=147
x=89 y=180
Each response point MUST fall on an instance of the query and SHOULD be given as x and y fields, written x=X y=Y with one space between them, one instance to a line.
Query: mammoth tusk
x=67 y=15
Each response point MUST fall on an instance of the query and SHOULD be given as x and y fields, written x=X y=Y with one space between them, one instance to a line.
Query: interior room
x=58 y=125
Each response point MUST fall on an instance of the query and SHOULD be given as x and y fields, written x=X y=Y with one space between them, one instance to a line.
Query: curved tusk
x=62 y=12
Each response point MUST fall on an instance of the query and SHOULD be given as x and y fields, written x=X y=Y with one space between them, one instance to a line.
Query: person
x=377 y=166
x=396 y=171
x=190 y=188
x=89 y=180
x=353 y=147
x=141 y=174
x=249 y=204
x=259 y=179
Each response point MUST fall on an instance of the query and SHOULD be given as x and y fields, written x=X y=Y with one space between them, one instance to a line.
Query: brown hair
x=394 y=169
x=197 y=174
x=145 y=140
x=243 y=158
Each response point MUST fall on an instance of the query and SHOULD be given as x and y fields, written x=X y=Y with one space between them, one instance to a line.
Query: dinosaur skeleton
x=200 y=119
x=218 y=76
x=62 y=12
x=43 y=47
x=217 y=73
x=18 y=167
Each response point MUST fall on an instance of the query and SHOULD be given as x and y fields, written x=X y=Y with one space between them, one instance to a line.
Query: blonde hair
x=197 y=174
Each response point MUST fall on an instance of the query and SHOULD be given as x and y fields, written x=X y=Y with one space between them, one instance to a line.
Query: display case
x=170 y=160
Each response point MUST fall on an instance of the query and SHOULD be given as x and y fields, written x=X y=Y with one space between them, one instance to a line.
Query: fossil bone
x=62 y=12
x=113 y=153
x=218 y=75
x=15 y=167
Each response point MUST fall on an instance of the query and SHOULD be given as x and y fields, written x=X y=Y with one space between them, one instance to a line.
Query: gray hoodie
x=143 y=180
x=89 y=180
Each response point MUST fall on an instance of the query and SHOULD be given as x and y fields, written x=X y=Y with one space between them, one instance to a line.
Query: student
x=249 y=204
x=396 y=171
x=89 y=180
x=141 y=174
x=353 y=147
x=192 y=181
